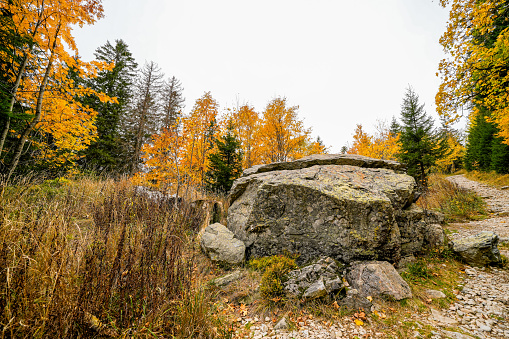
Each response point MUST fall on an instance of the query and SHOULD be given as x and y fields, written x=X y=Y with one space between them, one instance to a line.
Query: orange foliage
x=282 y=135
x=179 y=154
x=382 y=145
x=48 y=92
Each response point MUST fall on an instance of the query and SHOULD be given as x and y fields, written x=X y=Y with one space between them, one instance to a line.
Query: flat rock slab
x=327 y=159
x=378 y=279
x=478 y=250
x=219 y=243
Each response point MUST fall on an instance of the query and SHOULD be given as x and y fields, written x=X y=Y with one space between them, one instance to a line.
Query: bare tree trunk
x=19 y=76
x=38 y=111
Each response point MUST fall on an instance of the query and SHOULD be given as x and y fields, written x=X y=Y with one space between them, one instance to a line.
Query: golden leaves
x=477 y=38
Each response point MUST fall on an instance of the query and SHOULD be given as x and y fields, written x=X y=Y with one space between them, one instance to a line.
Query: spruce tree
x=485 y=150
x=172 y=101
x=421 y=145
x=225 y=164
x=107 y=152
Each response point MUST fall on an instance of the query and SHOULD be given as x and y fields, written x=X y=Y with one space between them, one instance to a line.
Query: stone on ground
x=478 y=250
x=378 y=279
x=219 y=243
x=346 y=207
x=314 y=281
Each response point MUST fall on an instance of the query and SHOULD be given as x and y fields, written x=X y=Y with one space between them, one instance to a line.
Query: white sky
x=342 y=62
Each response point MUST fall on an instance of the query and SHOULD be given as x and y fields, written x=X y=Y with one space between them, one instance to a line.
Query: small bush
x=275 y=269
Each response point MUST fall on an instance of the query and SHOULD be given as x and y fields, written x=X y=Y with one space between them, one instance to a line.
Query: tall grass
x=490 y=178
x=456 y=203
x=92 y=258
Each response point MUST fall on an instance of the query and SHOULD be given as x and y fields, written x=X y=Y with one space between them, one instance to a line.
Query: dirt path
x=498 y=207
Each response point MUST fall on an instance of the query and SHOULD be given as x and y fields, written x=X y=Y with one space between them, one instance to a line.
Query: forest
x=77 y=140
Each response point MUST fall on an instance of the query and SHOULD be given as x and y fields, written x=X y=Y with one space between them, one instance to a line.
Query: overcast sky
x=341 y=62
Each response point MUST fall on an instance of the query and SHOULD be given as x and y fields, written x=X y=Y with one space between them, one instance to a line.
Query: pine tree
x=107 y=152
x=225 y=164
x=485 y=150
x=421 y=145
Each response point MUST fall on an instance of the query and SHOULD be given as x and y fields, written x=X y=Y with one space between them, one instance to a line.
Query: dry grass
x=456 y=203
x=490 y=178
x=92 y=258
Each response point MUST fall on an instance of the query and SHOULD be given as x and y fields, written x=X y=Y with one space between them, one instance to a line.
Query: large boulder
x=378 y=279
x=341 y=206
x=221 y=246
x=478 y=250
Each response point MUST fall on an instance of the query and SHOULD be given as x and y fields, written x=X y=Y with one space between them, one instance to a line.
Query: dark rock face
x=340 y=206
x=478 y=250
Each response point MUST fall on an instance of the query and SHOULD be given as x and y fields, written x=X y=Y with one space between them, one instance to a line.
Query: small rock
x=227 y=279
x=440 y=318
x=378 y=278
x=434 y=294
x=219 y=243
x=282 y=324
x=478 y=250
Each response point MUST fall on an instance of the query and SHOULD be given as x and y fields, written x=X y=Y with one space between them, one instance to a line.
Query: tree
x=421 y=146
x=172 y=101
x=384 y=144
x=144 y=117
x=199 y=130
x=225 y=163
x=282 y=135
x=476 y=75
x=55 y=122
x=485 y=150
x=107 y=151
x=246 y=124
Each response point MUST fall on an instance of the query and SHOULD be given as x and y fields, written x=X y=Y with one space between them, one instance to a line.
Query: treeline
x=113 y=116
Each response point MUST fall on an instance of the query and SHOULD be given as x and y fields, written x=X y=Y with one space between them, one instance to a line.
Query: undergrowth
x=275 y=269
x=490 y=178
x=91 y=258
x=455 y=203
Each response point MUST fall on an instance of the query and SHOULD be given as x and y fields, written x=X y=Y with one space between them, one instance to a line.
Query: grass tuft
x=456 y=203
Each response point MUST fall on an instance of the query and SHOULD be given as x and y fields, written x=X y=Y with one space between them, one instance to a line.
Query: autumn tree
x=246 y=126
x=421 y=145
x=107 y=151
x=384 y=144
x=199 y=129
x=225 y=163
x=144 y=117
x=476 y=76
x=282 y=135
x=62 y=125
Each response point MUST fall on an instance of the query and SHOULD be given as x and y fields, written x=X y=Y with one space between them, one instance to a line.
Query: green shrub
x=275 y=270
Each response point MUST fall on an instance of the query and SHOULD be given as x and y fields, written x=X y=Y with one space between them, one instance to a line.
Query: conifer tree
x=225 y=164
x=107 y=152
x=485 y=150
x=144 y=118
x=421 y=145
x=172 y=101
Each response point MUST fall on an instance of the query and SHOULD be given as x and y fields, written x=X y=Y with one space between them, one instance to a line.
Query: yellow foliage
x=476 y=75
x=382 y=145
x=448 y=163
x=48 y=92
